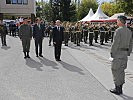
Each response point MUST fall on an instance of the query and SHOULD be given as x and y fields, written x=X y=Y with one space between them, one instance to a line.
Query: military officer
x=106 y=28
x=25 y=34
x=112 y=33
x=96 y=32
x=73 y=36
x=50 y=32
x=85 y=32
x=78 y=33
x=3 y=33
x=66 y=33
x=120 y=50
x=91 y=35
x=102 y=34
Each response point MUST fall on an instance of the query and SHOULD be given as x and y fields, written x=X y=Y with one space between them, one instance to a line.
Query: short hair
x=58 y=21
x=122 y=19
x=38 y=19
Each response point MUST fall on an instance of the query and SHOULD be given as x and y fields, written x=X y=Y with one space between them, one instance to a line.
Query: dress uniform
x=106 y=34
x=3 y=33
x=112 y=33
x=85 y=33
x=66 y=34
x=74 y=35
x=72 y=31
x=102 y=34
x=91 y=35
x=50 y=32
x=25 y=34
x=78 y=35
x=96 y=32
x=120 y=50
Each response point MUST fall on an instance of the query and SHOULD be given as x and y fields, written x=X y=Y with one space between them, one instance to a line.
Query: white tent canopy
x=99 y=15
x=116 y=15
x=90 y=14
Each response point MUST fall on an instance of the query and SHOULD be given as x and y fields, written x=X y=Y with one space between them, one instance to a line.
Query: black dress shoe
x=117 y=90
x=41 y=55
x=28 y=56
x=58 y=60
x=25 y=57
x=37 y=56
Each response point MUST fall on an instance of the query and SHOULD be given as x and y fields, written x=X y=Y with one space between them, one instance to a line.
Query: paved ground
x=83 y=74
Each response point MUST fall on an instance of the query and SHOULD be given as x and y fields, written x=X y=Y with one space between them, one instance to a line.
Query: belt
x=124 y=49
x=91 y=32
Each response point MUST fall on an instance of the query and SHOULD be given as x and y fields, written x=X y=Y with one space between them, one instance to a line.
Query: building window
x=8 y=1
x=25 y=1
x=14 y=1
x=19 y=1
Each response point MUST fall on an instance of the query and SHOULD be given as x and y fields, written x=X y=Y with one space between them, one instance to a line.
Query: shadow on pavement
x=48 y=62
x=71 y=68
x=34 y=64
x=5 y=47
x=125 y=97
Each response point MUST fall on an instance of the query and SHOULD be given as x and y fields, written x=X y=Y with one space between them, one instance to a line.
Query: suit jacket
x=122 y=45
x=38 y=32
x=58 y=35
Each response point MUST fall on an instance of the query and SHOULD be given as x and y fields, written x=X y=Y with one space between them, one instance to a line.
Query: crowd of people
x=118 y=33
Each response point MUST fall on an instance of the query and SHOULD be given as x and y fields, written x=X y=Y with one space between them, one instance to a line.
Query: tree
x=73 y=12
x=111 y=8
x=84 y=8
x=126 y=6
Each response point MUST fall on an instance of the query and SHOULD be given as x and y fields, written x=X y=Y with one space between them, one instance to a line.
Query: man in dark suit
x=38 y=36
x=58 y=37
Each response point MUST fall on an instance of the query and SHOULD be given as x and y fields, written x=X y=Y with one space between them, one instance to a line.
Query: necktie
x=58 y=28
x=39 y=26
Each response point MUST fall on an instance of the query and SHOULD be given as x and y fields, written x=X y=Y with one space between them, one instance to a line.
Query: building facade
x=17 y=8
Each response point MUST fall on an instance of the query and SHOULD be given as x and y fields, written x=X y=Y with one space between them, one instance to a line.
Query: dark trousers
x=50 y=38
x=106 y=37
x=66 y=38
x=26 y=44
x=38 y=44
x=85 y=36
x=3 y=39
x=72 y=37
x=78 y=38
x=58 y=49
x=91 y=38
x=96 y=36
x=112 y=36
x=102 y=37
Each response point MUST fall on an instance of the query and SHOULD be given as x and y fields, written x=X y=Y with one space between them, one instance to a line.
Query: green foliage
x=126 y=5
x=84 y=8
x=111 y=8
x=73 y=13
